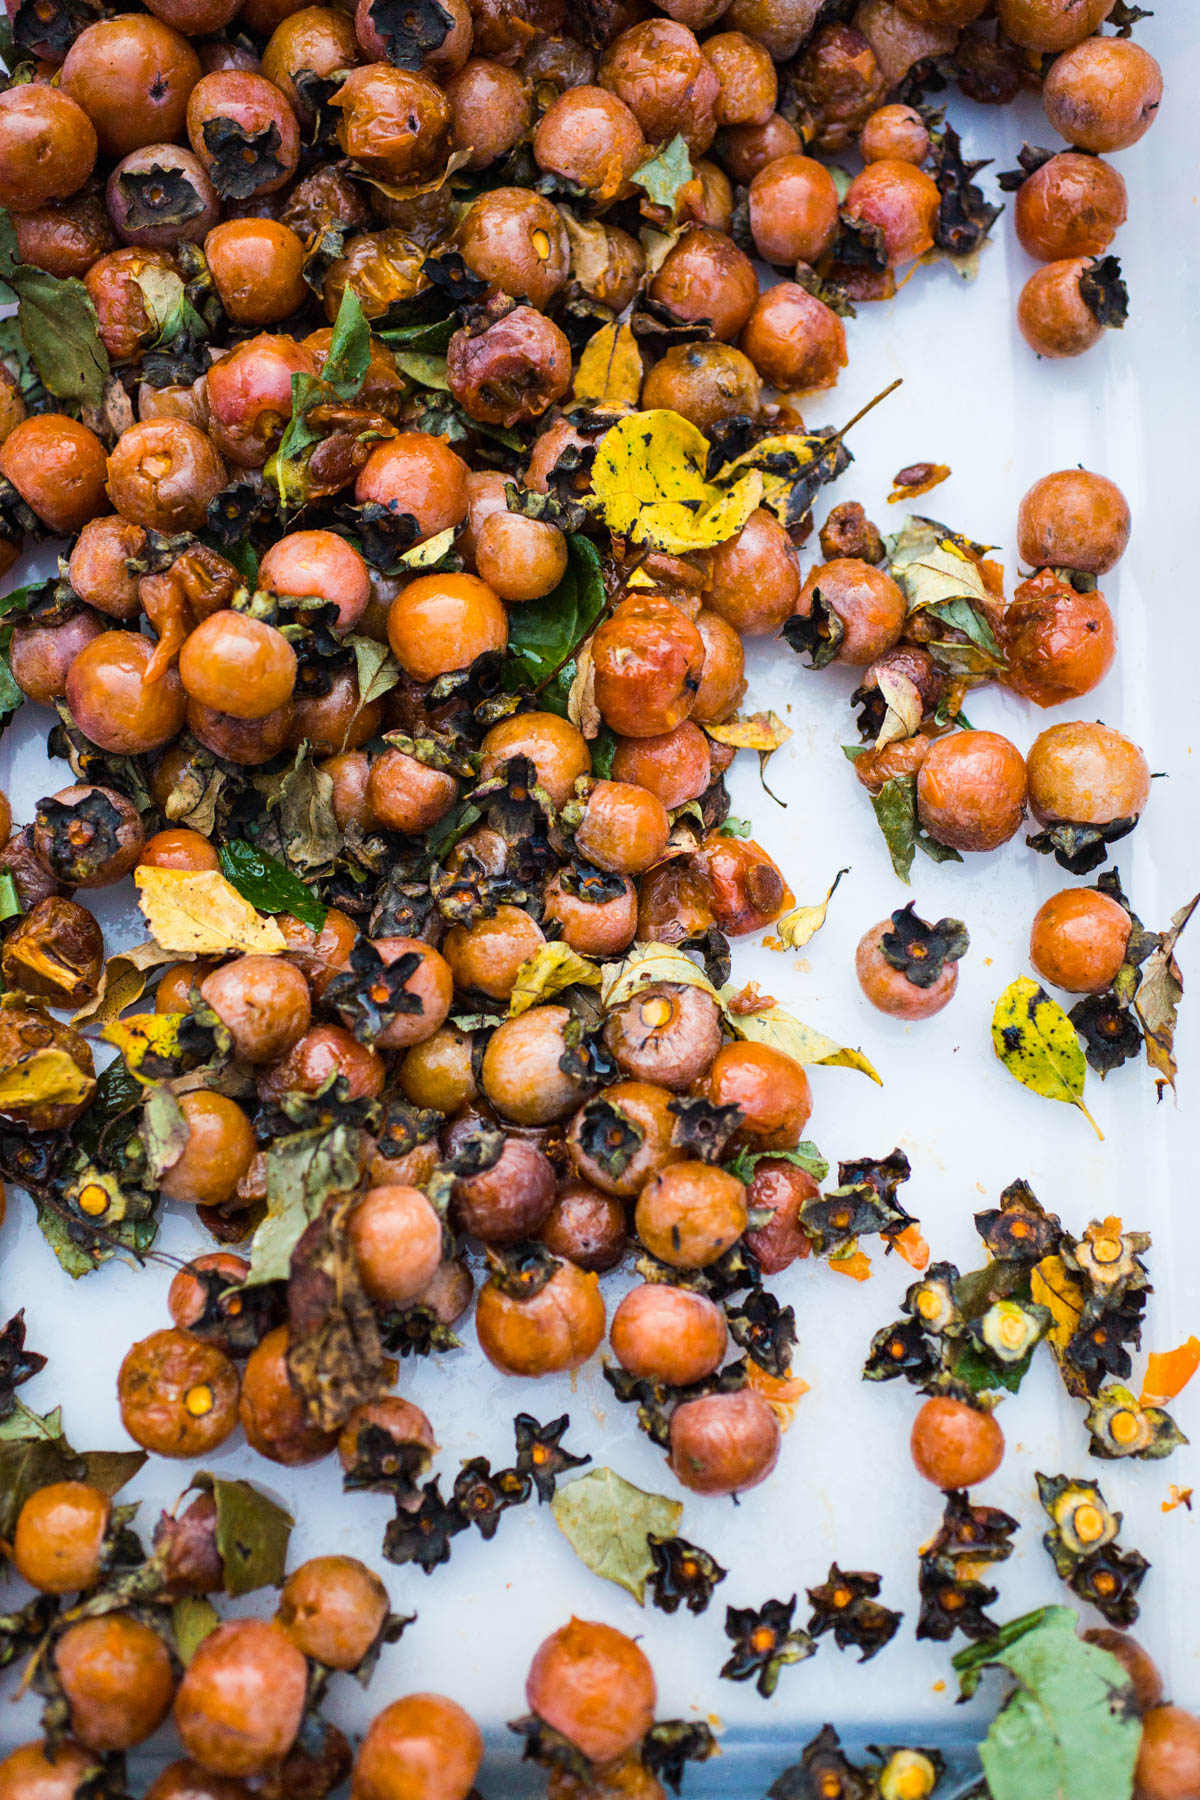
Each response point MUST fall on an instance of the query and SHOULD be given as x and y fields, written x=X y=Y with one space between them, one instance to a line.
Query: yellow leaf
x=424 y=556
x=777 y=1028
x=1051 y=1285
x=202 y=915
x=932 y=565
x=646 y=964
x=46 y=1076
x=761 y=731
x=123 y=982
x=144 y=1037
x=649 y=486
x=801 y=925
x=1037 y=1043
x=609 y=376
x=548 y=971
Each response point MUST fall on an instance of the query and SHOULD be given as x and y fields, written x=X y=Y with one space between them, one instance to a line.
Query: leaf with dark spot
x=252 y=1533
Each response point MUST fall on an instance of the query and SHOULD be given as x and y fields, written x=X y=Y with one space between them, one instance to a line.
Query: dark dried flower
x=1109 y=1580
x=1079 y=848
x=683 y=1572
x=950 y=1603
x=978 y=1533
x=608 y=1136
x=386 y=1464
x=423 y=1536
x=964 y=217
x=242 y=162
x=1021 y=1230
x=670 y=1744
x=764 y=1329
x=415 y=1331
x=846 y=1603
x=1109 y=1029
x=702 y=1129
x=540 y=1452
x=76 y=838
x=17 y=1364
x=549 y=1748
x=764 y=1641
x=816 y=636
x=920 y=951
x=521 y=1270
x=823 y=1773
x=369 y=995
x=481 y=1497
x=901 y=1349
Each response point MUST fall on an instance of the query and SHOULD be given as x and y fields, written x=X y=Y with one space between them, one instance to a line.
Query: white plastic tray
x=974 y=397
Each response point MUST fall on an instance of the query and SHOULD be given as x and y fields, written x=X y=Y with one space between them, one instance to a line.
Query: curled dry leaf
x=582 y=710
x=607 y=1522
x=649 y=485
x=1034 y=1039
x=124 y=981
x=1157 y=1000
x=548 y=971
x=932 y=565
x=776 y=1027
x=202 y=914
x=905 y=707
x=801 y=925
x=609 y=375
x=763 y=731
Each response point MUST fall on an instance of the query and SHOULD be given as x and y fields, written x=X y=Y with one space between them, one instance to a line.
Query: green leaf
x=423 y=367
x=376 y=668
x=193 y=1618
x=542 y=632
x=252 y=1533
x=805 y=1156
x=14 y=351
x=267 y=884
x=665 y=174
x=349 y=348
x=10 y=900
x=603 y=748
x=1071 y=1728
x=607 y=1522
x=896 y=815
x=303 y=1170
x=1034 y=1039
x=34 y=1452
x=57 y=324
x=434 y=336
x=341 y=378
x=982 y=1375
